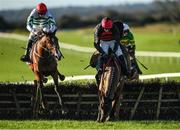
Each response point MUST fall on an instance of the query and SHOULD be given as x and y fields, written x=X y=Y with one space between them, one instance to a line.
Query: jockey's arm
x=29 y=24
x=97 y=40
x=132 y=41
x=52 y=25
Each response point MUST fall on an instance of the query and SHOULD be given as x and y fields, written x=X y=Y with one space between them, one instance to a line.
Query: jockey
x=40 y=19
x=107 y=36
x=127 y=40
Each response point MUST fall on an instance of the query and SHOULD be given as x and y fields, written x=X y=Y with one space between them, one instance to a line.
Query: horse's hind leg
x=55 y=78
x=99 y=107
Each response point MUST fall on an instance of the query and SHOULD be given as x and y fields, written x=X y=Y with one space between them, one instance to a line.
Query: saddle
x=94 y=59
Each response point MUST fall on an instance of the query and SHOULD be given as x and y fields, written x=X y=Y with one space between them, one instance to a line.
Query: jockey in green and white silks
x=37 y=22
x=40 y=19
x=127 y=40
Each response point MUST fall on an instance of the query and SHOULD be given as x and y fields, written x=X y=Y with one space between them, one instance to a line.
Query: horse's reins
x=104 y=65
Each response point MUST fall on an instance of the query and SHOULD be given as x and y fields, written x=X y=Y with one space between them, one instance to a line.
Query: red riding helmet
x=41 y=8
x=107 y=23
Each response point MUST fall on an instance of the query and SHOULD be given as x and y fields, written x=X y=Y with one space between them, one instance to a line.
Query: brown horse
x=110 y=88
x=44 y=64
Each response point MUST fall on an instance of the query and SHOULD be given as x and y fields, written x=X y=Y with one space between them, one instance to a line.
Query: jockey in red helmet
x=41 y=8
x=40 y=19
x=107 y=23
x=107 y=36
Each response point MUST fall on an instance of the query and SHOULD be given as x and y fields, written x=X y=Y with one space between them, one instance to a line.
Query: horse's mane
x=44 y=39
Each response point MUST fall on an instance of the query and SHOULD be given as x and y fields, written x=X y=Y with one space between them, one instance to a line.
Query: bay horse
x=110 y=89
x=43 y=64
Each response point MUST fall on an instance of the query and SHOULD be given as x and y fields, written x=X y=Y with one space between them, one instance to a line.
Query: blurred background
x=154 y=23
x=83 y=13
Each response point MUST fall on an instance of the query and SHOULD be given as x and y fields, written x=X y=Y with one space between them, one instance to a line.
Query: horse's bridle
x=104 y=65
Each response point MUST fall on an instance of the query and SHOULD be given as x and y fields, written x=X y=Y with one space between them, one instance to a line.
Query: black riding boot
x=124 y=65
x=26 y=57
x=126 y=58
x=99 y=71
x=137 y=67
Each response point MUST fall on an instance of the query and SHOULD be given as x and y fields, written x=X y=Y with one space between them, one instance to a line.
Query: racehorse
x=110 y=89
x=43 y=64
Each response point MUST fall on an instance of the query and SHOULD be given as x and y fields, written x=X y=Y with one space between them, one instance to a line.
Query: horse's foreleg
x=39 y=97
x=99 y=108
x=55 y=78
x=36 y=103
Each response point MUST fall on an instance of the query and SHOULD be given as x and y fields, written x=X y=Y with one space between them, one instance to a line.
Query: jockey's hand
x=46 y=30
x=34 y=31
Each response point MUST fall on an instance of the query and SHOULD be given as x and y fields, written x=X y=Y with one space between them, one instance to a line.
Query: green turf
x=80 y=37
x=71 y=124
x=157 y=41
x=145 y=41
x=157 y=65
x=157 y=37
x=12 y=69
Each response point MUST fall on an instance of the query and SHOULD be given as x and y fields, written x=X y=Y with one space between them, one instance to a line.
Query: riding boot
x=127 y=57
x=124 y=65
x=137 y=67
x=26 y=57
x=99 y=70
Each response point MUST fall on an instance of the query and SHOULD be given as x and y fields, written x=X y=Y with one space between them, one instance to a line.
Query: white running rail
x=90 y=77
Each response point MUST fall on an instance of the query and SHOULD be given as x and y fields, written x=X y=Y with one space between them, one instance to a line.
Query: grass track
x=12 y=69
x=155 y=37
x=79 y=124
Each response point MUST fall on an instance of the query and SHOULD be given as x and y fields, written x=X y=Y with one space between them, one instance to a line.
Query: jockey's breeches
x=105 y=45
x=32 y=37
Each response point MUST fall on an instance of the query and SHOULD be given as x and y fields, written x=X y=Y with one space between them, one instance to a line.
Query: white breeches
x=105 y=45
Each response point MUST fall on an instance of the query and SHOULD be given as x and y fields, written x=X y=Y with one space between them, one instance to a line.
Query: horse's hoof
x=98 y=120
x=62 y=77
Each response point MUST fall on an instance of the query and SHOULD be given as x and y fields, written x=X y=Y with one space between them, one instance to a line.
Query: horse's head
x=49 y=45
x=108 y=84
x=46 y=45
x=109 y=59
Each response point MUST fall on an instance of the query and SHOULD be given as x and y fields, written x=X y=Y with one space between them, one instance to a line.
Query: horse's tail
x=61 y=76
